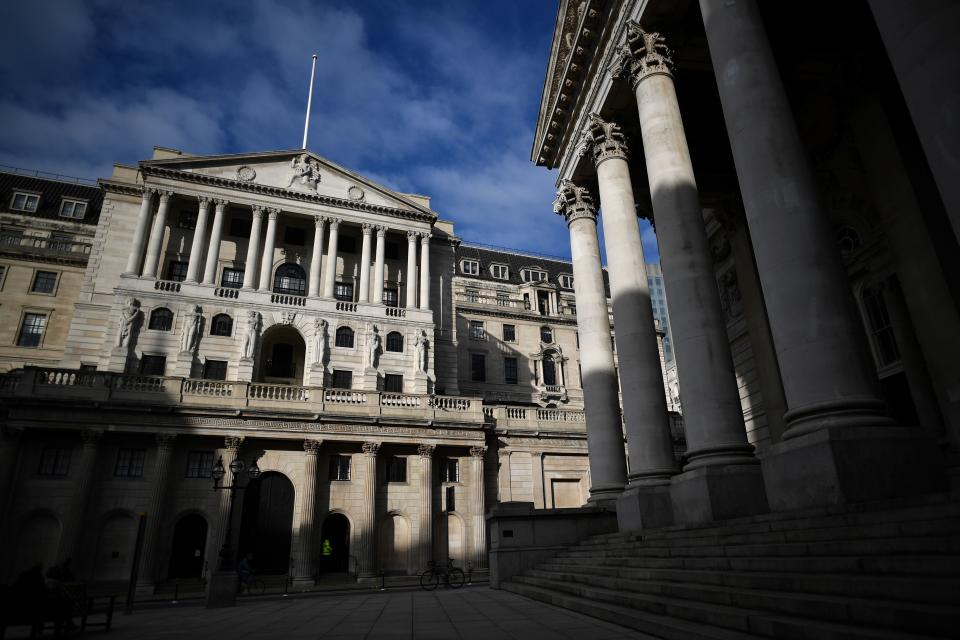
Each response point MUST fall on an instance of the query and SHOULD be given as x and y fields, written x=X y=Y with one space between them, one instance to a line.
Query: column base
x=145 y=588
x=605 y=498
x=645 y=507
x=222 y=589
x=718 y=492
x=303 y=583
x=851 y=464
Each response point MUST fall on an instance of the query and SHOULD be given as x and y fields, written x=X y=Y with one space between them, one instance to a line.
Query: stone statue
x=305 y=172
x=374 y=347
x=250 y=338
x=420 y=351
x=190 y=340
x=320 y=340
x=129 y=319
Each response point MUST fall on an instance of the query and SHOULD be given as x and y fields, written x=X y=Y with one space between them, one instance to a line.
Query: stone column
x=213 y=249
x=364 y=294
x=253 y=250
x=368 y=524
x=411 y=270
x=425 y=271
x=479 y=547
x=156 y=236
x=330 y=271
x=426 y=504
x=316 y=257
x=82 y=481
x=377 y=296
x=230 y=451
x=838 y=446
x=140 y=233
x=608 y=468
x=269 y=245
x=718 y=454
x=199 y=235
x=306 y=566
x=146 y=576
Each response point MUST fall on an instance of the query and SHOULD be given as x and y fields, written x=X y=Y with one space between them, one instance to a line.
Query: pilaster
x=158 y=491
x=368 y=531
x=306 y=569
x=425 y=536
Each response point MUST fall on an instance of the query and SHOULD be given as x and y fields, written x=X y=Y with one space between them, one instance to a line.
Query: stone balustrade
x=535 y=418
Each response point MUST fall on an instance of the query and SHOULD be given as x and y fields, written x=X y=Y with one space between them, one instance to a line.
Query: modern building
x=658 y=300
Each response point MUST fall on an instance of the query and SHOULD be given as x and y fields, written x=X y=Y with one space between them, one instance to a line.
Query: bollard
x=469 y=573
x=176 y=591
x=383 y=578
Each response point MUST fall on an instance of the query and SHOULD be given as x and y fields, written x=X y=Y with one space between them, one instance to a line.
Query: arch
x=266 y=525
x=282 y=355
x=161 y=319
x=394 y=544
x=115 y=547
x=335 y=543
x=395 y=342
x=188 y=546
x=221 y=325
x=344 y=337
x=291 y=279
x=38 y=540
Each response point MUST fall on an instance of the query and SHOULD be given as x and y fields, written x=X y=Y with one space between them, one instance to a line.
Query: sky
x=431 y=97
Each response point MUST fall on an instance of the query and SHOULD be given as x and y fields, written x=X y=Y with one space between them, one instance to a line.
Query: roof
x=515 y=260
x=52 y=192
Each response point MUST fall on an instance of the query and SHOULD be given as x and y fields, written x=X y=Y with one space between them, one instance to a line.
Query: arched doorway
x=187 y=549
x=265 y=527
x=115 y=548
x=394 y=545
x=455 y=539
x=282 y=355
x=335 y=544
x=38 y=541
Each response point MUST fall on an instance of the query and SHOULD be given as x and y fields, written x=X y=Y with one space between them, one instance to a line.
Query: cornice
x=498 y=312
x=122 y=188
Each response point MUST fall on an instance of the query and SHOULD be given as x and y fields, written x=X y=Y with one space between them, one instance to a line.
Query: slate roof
x=515 y=260
x=51 y=192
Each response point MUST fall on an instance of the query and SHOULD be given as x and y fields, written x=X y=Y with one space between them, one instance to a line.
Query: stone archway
x=335 y=544
x=266 y=526
x=394 y=545
x=282 y=356
x=187 y=547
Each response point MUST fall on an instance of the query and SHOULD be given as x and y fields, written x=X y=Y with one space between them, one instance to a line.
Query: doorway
x=335 y=544
x=282 y=356
x=266 y=523
x=187 y=549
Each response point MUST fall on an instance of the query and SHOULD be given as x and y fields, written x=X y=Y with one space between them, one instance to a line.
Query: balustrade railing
x=208 y=388
x=344 y=396
x=395 y=312
x=68 y=378
x=288 y=299
x=401 y=400
x=140 y=384
x=284 y=392
x=50 y=246
x=227 y=292
x=171 y=286
x=349 y=307
x=449 y=403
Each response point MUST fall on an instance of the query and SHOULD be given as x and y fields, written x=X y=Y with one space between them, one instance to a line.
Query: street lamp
x=218 y=472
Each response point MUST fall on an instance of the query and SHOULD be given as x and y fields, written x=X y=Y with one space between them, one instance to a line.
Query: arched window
x=345 y=337
x=395 y=341
x=546 y=335
x=161 y=319
x=290 y=278
x=221 y=325
x=549 y=372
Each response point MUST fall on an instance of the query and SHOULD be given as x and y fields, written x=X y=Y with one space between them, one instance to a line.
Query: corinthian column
x=479 y=547
x=330 y=272
x=222 y=543
x=156 y=236
x=608 y=469
x=378 y=266
x=426 y=503
x=269 y=245
x=411 y=269
x=213 y=249
x=73 y=524
x=253 y=250
x=368 y=530
x=140 y=233
x=364 y=294
x=425 y=271
x=158 y=491
x=196 y=247
x=305 y=558
x=316 y=257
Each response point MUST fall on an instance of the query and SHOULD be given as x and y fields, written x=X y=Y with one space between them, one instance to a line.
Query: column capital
x=204 y=201
x=381 y=231
x=318 y=221
x=424 y=237
x=149 y=192
x=312 y=447
x=91 y=437
x=643 y=54
x=232 y=443
x=165 y=440
x=165 y=195
x=370 y=449
x=574 y=203
x=221 y=203
x=604 y=139
x=367 y=228
x=272 y=213
x=477 y=452
x=334 y=222
x=412 y=236
x=426 y=450
x=257 y=211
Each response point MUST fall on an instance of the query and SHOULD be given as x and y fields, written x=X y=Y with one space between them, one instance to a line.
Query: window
x=396 y=469
x=187 y=220
x=153 y=365
x=291 y=279
x=347 y=244
x=566 y=281
x=342 y=379
x=470 y=267
x=392 y=251
x=533 y=275
x=395 y=341
x=543 y=303
x=62 y=242
x=54 y=461
x=478 y=367
x=24 y=201
x=73 y=209
x=510 y=371
x=546 y=335
x=161 y=319
x=343 y=291
x=500 y=271
x=215 y=370
x=177 y=271
x=450 y=470
x=129 y=463
x=240 y=228
x=295 y=236
x=11 y=237
x=509 y=333
x=339 y=467
x=881 y=329
x=393 y=383
x=344 y=338
x=549 y=372
x=391 y=297
x=221 y=325
x=31 y=331
x=199 y=464
x=44 y=282
x=477 y=332
x=232 y=278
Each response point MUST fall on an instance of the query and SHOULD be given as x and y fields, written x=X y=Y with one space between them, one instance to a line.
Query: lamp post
x=222 y=588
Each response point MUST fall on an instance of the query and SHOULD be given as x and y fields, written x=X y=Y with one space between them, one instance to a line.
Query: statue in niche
x=190 y=340
x=306 y=172
x=374 y=346
x=129 y=321
x=420 y=352
x=252 y=335
x=320 y=341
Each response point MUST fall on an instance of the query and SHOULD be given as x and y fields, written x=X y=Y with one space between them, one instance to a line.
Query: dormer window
x=23 y=201
x=470 y=267
x=75 y=209
x=533 y=275
x=566 y=281
x=500 y=271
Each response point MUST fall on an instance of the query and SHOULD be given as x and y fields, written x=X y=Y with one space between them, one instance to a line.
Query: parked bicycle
x=452 y=576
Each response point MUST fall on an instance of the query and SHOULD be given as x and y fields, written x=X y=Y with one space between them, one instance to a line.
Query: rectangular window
x=339 y=467
x=199 y=464
x=343 y=291
x=187 y=220
x=510 y=371
x=153 y=365
x=470 y=267
x=240 y=228
x=396 y=469
x=44 y=282
x=533 y=275
x=566 y=281
x=342 y=379
x=232 y=278
x=73 y=209
x=478 y=367
x=509 y=333
x=392 y=251
x=347 y=244
x=54 y=461
x=24 y=201
x=477 y=332
x=295 y=236
x=61 y=242
x=215 y=370
x=450 y=470
x=393 y=383
x=500 y=271
x=129 y=463
x=31 y=331
x=391 y=297
x=177 y=271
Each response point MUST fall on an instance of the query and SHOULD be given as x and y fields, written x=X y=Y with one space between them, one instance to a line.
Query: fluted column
x=199 y=236
x=213 y=249
x=82 y=482
x=368 y=531
x=330 y=271
x=135 y=258
x=253 y=249
x=426 y=504
x=231 y=450
x=377 y=296
x=316 y=257
x=146 y=576
x=364 y=294
x=608 y=469
x=641 y=382
x=425 y=271
x=479 y=550
x=156 y=236
x=411 y=270
x=269 y=244
x=305 y=568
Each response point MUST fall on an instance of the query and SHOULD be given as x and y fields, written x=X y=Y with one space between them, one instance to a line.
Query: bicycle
x=453 y=577
x=251 y=585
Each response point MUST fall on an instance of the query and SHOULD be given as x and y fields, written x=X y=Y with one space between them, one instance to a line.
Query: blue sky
x=430 y=97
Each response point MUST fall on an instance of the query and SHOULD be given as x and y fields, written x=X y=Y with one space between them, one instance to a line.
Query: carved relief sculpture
x=306 y=172
x=129 y=323
x=320 y=341
x=251 y=336
x=374 y=346
x=420 y=351
x=190 y=340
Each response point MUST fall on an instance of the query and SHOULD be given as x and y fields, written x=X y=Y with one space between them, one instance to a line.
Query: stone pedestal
x=245 y=370
x=371 y=379
x=644 y=507
x=184 y=366
x=118 y=360
x=222 y=589
x=421 y=383
x=316 y=377
x=717 y=492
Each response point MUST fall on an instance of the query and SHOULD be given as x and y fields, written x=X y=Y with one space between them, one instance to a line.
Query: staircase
x=880 y=571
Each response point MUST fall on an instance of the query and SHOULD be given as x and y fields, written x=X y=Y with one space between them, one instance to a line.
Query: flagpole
x=306 y=124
